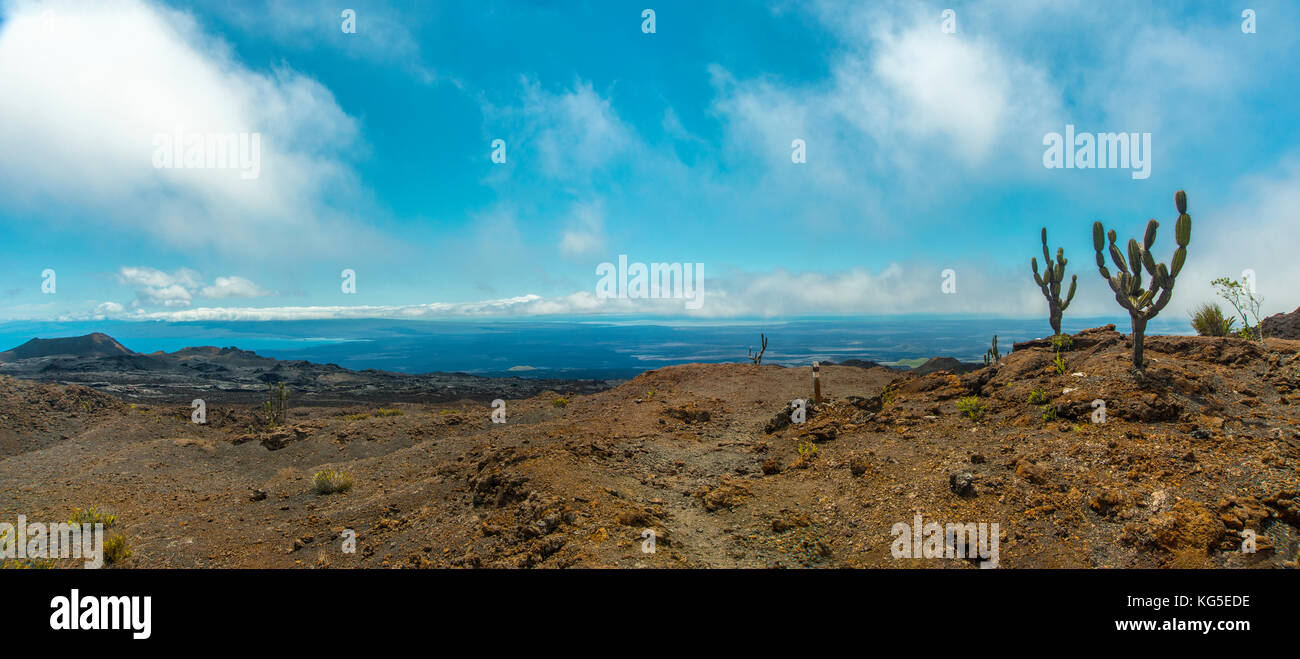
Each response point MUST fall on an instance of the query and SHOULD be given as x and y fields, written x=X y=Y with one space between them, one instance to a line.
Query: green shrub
x=355 y=417
x=329 y=481
x=1062 y=342
x=389 y=412
x=27 y=564
x=1059 y=364
x=560 y=402
x=1037 y=396
x=807 y=451
x=1208 y=320
x=92 y=515
x=1049 y=412
x=117 y=549
x=971 y=407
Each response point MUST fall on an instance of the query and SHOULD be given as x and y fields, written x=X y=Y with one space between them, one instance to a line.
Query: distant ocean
x=602 y=348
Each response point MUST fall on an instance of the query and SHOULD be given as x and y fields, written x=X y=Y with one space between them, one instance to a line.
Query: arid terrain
x=1202 y=447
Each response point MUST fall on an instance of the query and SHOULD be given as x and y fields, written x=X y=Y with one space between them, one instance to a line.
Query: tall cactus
x=1050 y=283
x=1143 y=305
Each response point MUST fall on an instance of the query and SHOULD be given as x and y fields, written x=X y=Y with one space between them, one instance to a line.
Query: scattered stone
x=1032 y=472
x=727 y=495
x=858 y=465
x=962 y=483
x=1188 y=525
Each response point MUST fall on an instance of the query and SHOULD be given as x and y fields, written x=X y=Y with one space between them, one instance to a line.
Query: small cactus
x=1050 y=283
x=277 y=404
x=992 y=355
x=757 y=357
x=1143 y=304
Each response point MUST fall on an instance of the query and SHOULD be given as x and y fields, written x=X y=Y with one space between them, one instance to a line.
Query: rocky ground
x=1282 y=325
x=1201 y=448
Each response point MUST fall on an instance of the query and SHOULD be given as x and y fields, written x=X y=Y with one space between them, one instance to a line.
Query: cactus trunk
x=1139 y=333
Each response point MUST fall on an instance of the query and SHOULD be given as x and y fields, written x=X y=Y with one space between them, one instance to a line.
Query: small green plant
x=1246 y=303
x=92 y=515
x=389 y=412
x=1059 y=365
x=1208 y=320
x=971 y=407
x=277 y=404
x=1049 y=412
x=560 y=402
x=1038 y=396
x=355 y=417
x=330 y=481
x=887 y=395
x=117 y=549
x=807 y=450
x=1062 y=342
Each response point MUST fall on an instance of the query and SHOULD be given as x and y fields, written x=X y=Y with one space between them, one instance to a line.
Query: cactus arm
x=1179 y=257
x=1116 y=256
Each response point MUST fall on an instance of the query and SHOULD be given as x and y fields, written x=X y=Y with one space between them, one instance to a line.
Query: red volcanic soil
x=1193 y=454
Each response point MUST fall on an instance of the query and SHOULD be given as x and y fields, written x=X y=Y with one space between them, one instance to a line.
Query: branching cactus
x=1143 y=303
x=277 y=404
x=1050 y=283
x=757 y=357
x=991 y=356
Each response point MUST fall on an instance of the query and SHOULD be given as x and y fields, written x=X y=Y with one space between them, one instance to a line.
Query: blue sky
x=924 y=152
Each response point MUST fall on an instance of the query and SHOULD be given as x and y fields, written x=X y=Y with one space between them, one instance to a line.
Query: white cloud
x=571 y=133
x=154 y=287
x=586 y=231
x=157 y=288
x=234 y=287
x=896 y=288
x=382 y=33
x=107 y=310
x=916 y=93
x=1258 y=232
x=99 y=79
